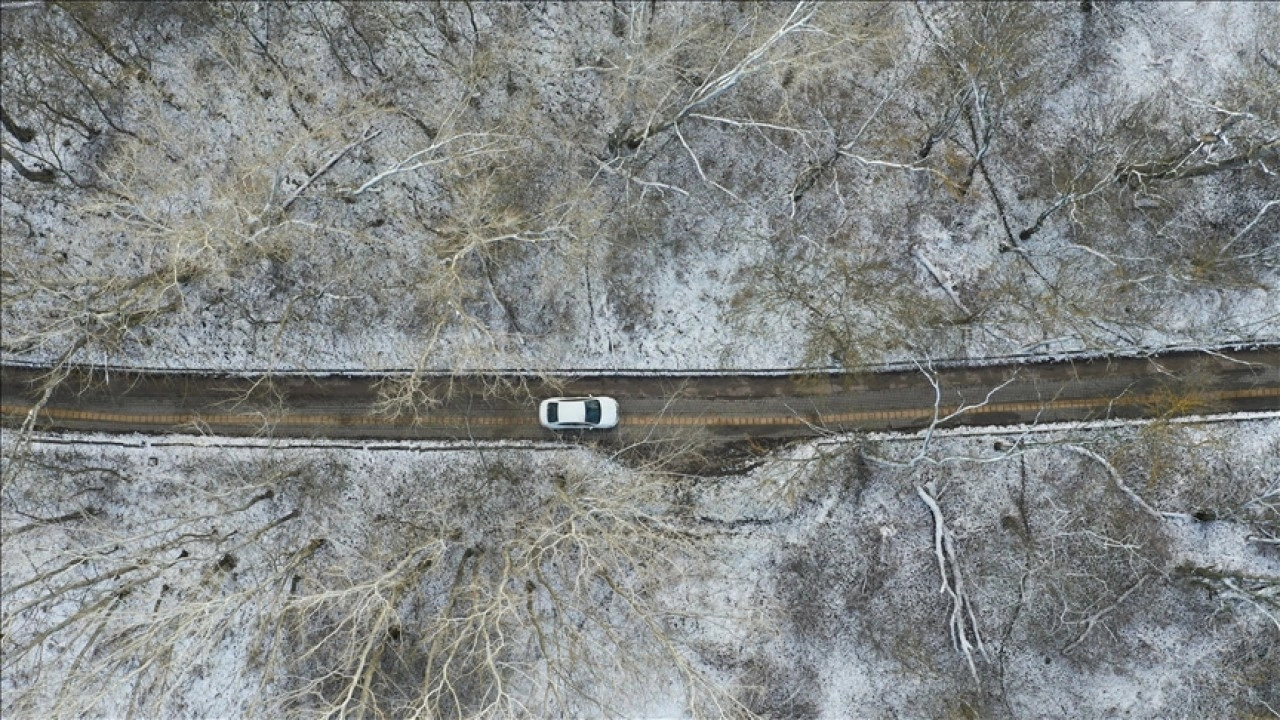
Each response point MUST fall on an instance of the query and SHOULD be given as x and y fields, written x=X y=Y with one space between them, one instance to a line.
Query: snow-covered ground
x=449 y=186
x=522 y=242
x=806 y=586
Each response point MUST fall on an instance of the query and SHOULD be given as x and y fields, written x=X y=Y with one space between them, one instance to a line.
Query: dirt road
x=719 y=407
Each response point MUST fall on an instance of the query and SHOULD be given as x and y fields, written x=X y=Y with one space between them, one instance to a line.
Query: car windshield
x=553 y=412
x=593 y=411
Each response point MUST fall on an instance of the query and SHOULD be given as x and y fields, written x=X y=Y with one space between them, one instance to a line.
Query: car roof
x=572 y=410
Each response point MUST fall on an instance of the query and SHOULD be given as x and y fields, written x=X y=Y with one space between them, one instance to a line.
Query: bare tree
x=521 y=588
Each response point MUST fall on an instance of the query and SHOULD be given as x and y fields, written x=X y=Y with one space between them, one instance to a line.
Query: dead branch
x=1117 y=480
x=962 y=622
x=709 y=90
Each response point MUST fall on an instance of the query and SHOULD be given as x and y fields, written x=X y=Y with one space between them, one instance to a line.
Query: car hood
x=608 y=412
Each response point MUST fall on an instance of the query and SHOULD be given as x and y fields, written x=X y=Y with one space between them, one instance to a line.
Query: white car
x=596 y=413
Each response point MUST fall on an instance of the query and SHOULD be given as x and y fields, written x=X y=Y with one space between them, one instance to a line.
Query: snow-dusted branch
x=962 y=622
x=1118 y=481
x=942 y=280
x=1266 y=600
x=1252 y=224
x=645 y=185
x=480 y=243
x=1071 y=197
x=364 y=138
x=797 y=21
x=922 y=456
x=1092 y=621
x=698 y=165
x=752 y=124
x=434 y=154
x=910 y=167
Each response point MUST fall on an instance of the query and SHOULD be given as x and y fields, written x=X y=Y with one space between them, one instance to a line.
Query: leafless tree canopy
x=450 y=187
